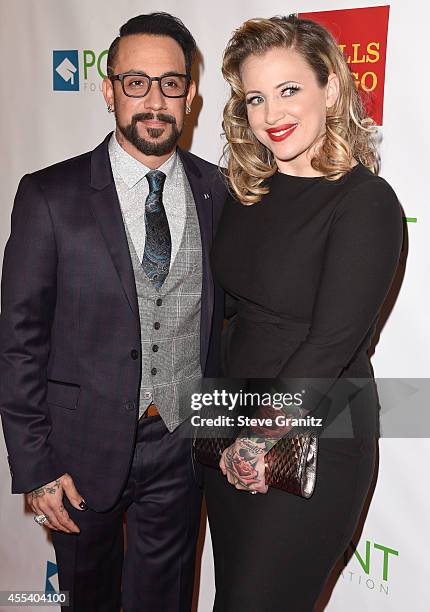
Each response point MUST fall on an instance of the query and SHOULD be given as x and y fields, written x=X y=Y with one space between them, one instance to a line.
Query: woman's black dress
x=309 y=266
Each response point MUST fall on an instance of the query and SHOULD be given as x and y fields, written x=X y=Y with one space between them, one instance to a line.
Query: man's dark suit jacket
x=70 y=358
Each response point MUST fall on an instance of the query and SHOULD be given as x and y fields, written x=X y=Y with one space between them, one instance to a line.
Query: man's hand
x=48 y=500
x=244 y=465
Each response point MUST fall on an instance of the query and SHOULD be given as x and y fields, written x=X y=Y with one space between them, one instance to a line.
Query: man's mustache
x=152 y=117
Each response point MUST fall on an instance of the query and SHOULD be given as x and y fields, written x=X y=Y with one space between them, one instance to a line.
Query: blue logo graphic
x=51 y=570
x=66 y=70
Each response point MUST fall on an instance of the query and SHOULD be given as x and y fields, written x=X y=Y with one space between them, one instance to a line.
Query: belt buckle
x=151 y=411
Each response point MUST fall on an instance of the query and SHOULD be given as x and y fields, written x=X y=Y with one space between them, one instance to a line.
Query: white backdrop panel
x=40 y=126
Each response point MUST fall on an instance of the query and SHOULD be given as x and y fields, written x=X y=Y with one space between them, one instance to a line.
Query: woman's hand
x=244 y=465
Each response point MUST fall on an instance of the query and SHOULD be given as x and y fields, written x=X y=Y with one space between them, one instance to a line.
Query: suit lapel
x=204 y=205
x=107 y=211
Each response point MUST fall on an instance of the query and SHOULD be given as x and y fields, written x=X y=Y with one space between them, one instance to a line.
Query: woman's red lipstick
x=281 y=132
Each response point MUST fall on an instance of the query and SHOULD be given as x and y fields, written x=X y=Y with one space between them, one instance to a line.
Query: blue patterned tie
x=158 y=242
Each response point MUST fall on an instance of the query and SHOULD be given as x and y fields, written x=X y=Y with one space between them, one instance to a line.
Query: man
x=110 y=318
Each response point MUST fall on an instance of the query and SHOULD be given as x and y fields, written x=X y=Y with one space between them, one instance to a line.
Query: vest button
x=134 y=354
x=159 y=302
x=154 y=371
x=155 y=347
x=156 y=325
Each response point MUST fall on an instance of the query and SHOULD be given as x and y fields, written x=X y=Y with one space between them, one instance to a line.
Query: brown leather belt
x=151 y=411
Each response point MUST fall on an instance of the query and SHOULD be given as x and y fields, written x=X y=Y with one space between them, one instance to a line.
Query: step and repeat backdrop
x=53 y=61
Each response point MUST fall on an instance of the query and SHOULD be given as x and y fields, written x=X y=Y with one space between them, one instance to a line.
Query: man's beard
x=147 y=147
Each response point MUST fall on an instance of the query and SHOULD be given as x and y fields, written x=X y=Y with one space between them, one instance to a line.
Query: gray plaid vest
x=170 y=325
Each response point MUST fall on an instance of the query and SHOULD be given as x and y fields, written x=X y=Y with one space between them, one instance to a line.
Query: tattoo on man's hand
x=52 y=489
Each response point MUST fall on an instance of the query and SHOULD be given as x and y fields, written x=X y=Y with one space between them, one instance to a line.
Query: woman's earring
x=188 y=109
x=109 y=108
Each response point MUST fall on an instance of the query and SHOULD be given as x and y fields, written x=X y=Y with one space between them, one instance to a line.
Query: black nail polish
x=83 y=505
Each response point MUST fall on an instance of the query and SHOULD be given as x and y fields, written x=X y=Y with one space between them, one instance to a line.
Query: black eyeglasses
x=137 y=84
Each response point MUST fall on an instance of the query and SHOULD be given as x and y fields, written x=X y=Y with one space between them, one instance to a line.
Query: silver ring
x=253 y=492
x=40 y=518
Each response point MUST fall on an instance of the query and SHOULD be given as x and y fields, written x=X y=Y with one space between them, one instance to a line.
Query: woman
x=307 y=246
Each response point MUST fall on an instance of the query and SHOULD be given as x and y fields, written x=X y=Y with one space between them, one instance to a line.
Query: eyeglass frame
x=120 y=77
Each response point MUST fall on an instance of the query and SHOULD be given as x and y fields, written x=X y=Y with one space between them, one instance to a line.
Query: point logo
x=66 y=74
x=51 y=573
x=66 y=70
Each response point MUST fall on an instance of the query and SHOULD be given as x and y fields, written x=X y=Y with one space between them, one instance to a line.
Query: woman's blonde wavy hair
x=349 y=131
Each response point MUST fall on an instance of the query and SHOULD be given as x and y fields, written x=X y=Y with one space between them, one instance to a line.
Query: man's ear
x=191 y=93
x=107 y=89
x=332 y=89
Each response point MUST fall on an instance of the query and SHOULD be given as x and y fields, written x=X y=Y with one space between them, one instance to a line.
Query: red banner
x=362 y=36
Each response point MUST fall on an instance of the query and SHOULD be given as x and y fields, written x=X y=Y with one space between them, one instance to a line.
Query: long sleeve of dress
x=360 y=259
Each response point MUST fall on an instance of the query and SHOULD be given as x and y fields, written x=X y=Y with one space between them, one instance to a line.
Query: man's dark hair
x=156 y=24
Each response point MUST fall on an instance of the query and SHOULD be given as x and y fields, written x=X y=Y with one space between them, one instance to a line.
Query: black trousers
x=274 y=552
x=161 y=502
